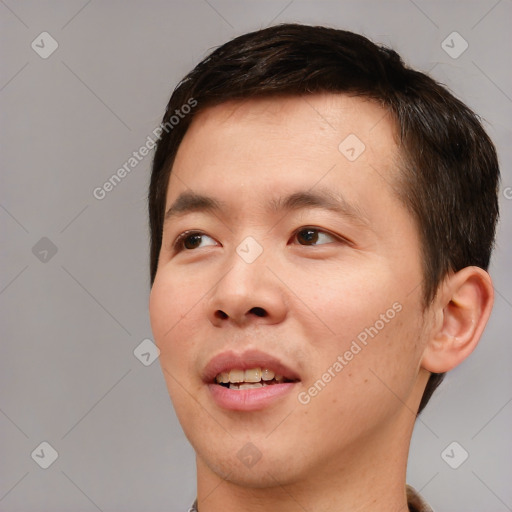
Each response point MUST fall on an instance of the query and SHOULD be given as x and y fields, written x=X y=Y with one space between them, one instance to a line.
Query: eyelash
x=178 y=245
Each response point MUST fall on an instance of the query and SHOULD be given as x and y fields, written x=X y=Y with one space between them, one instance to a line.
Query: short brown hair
x=449 y=175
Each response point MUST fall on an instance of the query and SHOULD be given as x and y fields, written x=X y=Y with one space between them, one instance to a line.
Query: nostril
x=258 y=311
x=220 y=314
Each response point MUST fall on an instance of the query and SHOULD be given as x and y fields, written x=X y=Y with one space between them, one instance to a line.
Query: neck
x=369 y=477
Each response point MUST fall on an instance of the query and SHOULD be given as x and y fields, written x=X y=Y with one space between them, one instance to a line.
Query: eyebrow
x=323 y=199
x=189 y=202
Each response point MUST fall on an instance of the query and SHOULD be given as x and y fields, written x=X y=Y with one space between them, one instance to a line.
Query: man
x=322 y=219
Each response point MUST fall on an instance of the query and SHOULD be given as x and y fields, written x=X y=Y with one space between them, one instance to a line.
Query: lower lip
x=249 y=399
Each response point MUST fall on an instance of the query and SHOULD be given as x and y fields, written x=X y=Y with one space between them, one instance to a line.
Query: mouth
x=252 y=378
x=248 y=381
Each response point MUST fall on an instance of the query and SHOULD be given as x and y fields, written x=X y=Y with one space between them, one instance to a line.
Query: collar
x=414 y=501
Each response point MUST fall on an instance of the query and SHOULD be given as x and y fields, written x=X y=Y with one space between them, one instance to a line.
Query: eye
x=313 y=236
x=193 y=240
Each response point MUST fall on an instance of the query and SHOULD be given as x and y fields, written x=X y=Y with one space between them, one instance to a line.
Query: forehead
x=259 y=145
x=315 y=122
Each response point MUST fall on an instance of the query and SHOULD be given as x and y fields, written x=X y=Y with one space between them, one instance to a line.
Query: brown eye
x=307 y=236
x=191 y=240
x=313 y=236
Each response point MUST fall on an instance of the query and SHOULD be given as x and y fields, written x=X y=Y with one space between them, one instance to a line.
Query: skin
x=347 y=448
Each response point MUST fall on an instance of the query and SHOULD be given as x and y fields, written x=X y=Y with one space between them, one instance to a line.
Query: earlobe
x=461 y=309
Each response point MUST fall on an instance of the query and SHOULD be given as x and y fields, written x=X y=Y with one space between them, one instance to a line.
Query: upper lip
x=230 y=360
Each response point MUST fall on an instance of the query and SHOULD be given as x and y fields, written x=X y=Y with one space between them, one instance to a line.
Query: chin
x=262 y=475
x=243 y=464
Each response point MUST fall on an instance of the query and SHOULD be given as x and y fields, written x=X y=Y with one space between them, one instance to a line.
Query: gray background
x=71 y=321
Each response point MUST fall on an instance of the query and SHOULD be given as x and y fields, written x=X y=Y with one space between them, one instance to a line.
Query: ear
x=460 y=312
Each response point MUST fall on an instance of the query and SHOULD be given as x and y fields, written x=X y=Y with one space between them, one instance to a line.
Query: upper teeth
x=251 y=375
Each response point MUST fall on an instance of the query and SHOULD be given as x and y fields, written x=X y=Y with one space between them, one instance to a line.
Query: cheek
x=373 y=333
x=349 y=300
x=172 y=299
x=172 y=306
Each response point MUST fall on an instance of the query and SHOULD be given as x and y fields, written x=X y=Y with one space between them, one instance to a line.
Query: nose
x=247 y=293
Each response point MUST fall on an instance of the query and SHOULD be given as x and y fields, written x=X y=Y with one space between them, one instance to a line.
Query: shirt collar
x=414 y=500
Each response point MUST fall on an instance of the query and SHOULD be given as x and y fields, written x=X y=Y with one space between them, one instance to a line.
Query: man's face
x=299 y=260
